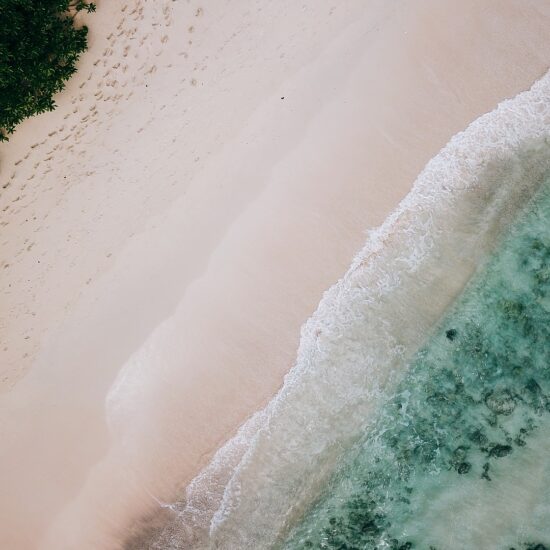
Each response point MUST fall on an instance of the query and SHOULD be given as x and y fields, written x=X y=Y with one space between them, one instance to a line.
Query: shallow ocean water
x=415 y=415
x=459 y=454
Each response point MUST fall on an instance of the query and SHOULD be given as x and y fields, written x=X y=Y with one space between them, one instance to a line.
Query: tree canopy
x=39 y=47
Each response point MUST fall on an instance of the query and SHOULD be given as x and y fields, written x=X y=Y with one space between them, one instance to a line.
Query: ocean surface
x=459 y=455
x=417 y=413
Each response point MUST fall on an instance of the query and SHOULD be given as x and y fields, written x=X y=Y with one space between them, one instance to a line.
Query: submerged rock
x=498 y=451
x=451 y=334
x=501 y=402
x=478 y=437
x=485 y=475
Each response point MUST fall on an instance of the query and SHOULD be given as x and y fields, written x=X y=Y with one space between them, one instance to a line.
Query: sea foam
x=455 y=457
x=366 y=329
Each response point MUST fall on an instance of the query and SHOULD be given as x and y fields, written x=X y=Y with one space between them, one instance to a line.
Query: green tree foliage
x=39 y=47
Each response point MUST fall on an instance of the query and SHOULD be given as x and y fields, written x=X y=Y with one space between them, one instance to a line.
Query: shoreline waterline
x=468 y=193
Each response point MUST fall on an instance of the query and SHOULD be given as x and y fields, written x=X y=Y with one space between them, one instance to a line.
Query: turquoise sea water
x=459 y=456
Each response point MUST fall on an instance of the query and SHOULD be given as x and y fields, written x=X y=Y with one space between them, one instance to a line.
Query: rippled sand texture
x=209 y=172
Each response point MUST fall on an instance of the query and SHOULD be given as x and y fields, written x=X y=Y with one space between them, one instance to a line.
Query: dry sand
x=210 y=170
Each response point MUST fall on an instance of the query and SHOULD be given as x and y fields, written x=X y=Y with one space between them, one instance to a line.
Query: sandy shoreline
x=189 y=223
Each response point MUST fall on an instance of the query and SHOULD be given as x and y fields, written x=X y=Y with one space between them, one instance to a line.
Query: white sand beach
x=209 y=171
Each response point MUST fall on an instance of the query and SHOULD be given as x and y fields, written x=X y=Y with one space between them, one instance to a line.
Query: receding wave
x=368 y=327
